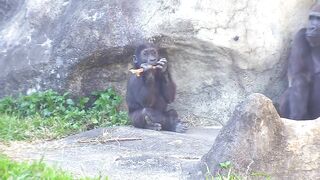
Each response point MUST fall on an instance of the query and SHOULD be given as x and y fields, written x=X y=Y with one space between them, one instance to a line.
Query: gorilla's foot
x=151 y=125
x=181 y=127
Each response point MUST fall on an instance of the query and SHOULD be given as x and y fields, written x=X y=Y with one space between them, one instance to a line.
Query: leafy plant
x=225 y=165
x=49 y=113
x=225 y=173
x=106 y=105
x=7 y=105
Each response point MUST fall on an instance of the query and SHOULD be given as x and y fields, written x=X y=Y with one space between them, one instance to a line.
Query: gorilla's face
x=313 y=29
x=149 y=55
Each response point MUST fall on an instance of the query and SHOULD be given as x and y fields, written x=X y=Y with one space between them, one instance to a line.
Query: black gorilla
x=149 y=94
x=302 y=99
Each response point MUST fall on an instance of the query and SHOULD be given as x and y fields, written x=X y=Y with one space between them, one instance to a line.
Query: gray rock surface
x=257 y=140
x=149 y=155
x=220 y=51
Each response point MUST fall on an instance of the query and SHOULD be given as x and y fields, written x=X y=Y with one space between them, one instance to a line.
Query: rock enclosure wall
x=220 y=51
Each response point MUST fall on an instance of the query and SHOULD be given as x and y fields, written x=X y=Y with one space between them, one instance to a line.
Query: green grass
x=37 y=170
x=48 y=115
x=226 y=172
x=36 y=127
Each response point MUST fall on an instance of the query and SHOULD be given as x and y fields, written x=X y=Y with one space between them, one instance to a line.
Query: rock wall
x=219 y=51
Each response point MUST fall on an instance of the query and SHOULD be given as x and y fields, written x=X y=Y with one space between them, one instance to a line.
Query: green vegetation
x=261 y=175
x=36 y=170
x=47 y=115
x=227 y=173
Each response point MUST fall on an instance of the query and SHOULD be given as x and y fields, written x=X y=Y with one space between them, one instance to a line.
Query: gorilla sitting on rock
x=301 y=100
x=150 y=90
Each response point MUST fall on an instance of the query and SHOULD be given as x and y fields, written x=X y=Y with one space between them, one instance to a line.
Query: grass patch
x=47 y=115
x=226 y=172
x=13 y=170
x=37 y=170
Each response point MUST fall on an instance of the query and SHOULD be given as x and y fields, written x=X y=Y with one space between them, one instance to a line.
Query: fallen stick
x=108 y=140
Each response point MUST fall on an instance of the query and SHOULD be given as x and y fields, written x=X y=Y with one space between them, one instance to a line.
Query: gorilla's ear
x=134 y=59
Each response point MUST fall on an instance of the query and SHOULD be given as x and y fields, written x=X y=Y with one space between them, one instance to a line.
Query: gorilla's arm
x=298 y=65
x=168 y=87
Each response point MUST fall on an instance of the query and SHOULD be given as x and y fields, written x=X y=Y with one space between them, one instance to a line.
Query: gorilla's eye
x=153 y=53
x=144 y=53
x=313 y=17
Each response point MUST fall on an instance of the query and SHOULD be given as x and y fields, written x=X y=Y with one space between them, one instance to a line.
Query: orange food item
x=139 y=71
x=136 y=71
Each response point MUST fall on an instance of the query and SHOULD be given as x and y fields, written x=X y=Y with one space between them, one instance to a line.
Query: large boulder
x=257 y=141
x=220 y=51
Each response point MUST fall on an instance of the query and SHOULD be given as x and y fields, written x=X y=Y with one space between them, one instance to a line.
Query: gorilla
x=149 y=93
x=301 y=100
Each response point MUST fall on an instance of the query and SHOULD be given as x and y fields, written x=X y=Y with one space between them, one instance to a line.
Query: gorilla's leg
x=137 y=119
x=156 y=120
x=173 y=123
x=299 y=98
x=153 y=119
x=169 y=120
x=146 y=118
x=315 y=98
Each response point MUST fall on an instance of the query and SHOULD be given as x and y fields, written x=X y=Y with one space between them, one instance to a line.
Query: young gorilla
x=149 y=94
x=302 y=99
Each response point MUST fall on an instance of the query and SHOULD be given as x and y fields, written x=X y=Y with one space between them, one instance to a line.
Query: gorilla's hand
x=162 y=64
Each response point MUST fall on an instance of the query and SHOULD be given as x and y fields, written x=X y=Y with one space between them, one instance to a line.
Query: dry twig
x=103 y=141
